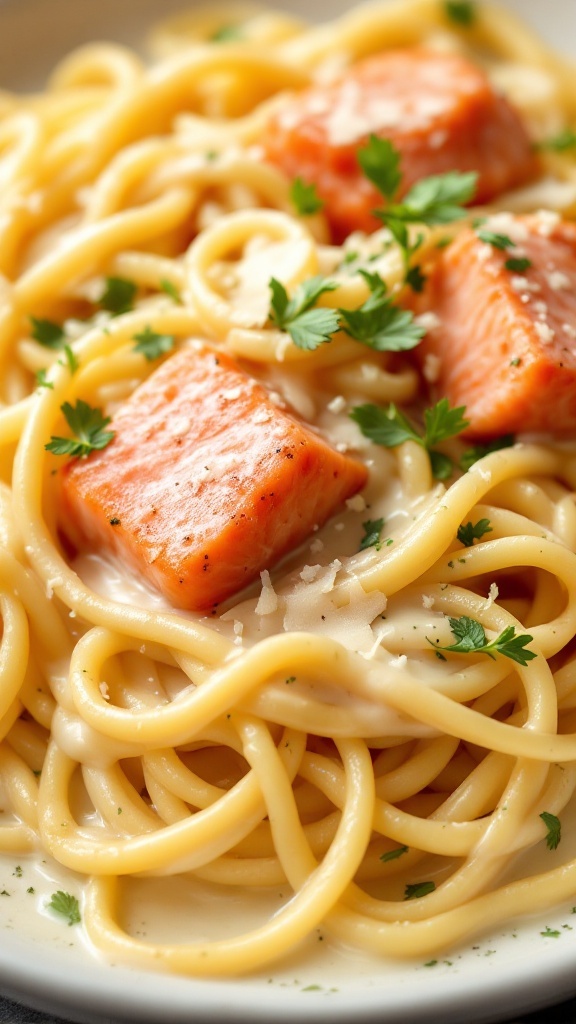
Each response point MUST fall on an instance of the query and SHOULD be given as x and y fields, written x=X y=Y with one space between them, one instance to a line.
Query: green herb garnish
x=171 y=290
x=390 y=427
x=227 y=33
x=418 y=889
x=553 y=836
x=41 y=380
x=305 y=198
x=118 y=295
x=479 y=451
x=380 y=324
x=461 y=12
x=66 y=905
x=393 y=854
x=47 y=332
x=471 y=639
x=438 y=199
x=152 y=345
x=565 y=140
x=372 y=533
x=71 y=359
x=87 y=426
x=497 y=241
x=518 y=264
x=469 y=532
x=307 y=327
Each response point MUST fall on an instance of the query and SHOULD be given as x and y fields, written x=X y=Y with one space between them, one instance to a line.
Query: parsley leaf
x=389 y=428
x=67 y=905
x=565 y=139
x=496 y=240
x=462 y=12
x=307 y=327
x=305 y=198
x=71 y=359
x=442 y=422
x=380 y=161
x=554 y=827
x=380 y=324
x=418 y=889
x=393 y=854
x=227 y=33
x=415 y=278
x=438 y=199
x=518 y=264
x=470 y=532
x=170 y=289
x=87 y=425
x=118 y=295
x=479 y=451
x=152 y=345
x=47 y=332
x=471 y=638
x=41 y=381
x=372 y=532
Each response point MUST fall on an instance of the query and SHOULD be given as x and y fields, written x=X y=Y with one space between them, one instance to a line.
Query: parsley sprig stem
x=471 y=639
x=438 y=199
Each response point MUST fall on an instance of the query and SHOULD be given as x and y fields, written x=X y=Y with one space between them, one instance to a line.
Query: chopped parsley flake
x=418 y=889
x=152 y=345
x=305 y=198
x=518 y=264
x=461 y=12
x=469 y=532
x=66 y=905
x=496 y=241
x=393 y=854
x=71 y=359
x=41 y=380
x=47 y=332
x=372 y=532
x=227 y=33
x=118 y=295
x=554 y=833
x=565 y=140
x=170 y=289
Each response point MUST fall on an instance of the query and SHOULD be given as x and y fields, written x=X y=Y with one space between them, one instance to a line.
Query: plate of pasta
x=288 y=510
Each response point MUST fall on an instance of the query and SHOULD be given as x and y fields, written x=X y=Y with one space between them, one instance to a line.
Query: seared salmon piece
x=503 y=335
x=438 y=109
x=206 y=483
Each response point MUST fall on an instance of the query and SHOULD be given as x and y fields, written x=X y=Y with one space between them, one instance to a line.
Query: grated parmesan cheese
x=268 y=600
x=544 y=332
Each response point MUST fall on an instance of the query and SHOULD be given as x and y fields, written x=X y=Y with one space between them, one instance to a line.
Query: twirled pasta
x=302 y=743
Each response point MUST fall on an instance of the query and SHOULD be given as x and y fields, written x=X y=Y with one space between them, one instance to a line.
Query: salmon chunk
x=503 y=335
x=439 y=111
x=206 y=483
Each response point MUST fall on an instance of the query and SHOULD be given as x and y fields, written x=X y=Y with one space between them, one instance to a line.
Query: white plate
x=45 y=965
